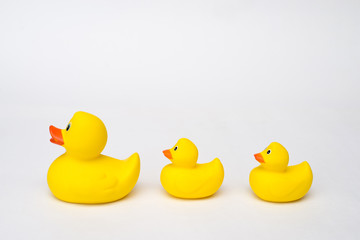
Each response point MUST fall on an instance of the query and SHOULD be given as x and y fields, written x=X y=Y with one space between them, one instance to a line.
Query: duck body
x=286 y=186
x=275 y=181
x=84 y=175
x=201 y=181
x=185 y=178
x=100 y=180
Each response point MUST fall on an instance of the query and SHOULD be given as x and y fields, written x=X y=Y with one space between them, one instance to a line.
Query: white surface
x=230 y=75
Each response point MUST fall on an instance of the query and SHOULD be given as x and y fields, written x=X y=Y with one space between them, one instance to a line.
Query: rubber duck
x=82 y=174
x=274 y=180
x=184 y=178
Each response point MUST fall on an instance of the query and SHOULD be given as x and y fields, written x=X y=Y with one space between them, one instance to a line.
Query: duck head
x=84 y=137
x=274 y=157
x=183 y=154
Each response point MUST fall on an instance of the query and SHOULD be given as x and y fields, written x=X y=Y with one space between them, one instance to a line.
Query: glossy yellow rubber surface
x=83 y=174
x=274 y=181
x=184 y=178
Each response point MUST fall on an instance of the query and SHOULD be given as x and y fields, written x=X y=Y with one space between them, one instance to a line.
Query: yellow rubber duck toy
x=184 y=178
x=82 y=174
x=274 y=181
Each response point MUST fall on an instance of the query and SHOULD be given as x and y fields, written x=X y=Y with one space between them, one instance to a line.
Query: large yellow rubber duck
x=274 y=181
x=184 y=178
x=82 y=174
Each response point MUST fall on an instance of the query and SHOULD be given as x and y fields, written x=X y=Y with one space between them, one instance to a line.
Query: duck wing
x=297 y=180
x=106 y=182
x=205 y=174
x=190 y=183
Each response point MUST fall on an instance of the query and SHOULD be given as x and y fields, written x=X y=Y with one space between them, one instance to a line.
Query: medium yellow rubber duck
x=82 y=174
x=274 y=181
x=184 y=178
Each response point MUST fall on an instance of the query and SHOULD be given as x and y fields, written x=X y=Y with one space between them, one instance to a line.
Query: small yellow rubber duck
x=82 y=174
x=274 y=181
x=184 y=178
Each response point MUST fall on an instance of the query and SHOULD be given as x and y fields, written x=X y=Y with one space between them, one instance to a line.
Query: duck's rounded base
x=89 y=200
x=279 y=200
x=190 y=197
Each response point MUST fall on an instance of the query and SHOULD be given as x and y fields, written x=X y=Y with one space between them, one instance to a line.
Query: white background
x=232 y=76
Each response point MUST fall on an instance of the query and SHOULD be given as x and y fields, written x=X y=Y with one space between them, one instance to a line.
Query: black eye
x=268 y=152
x=175 y=148
x=68 y=127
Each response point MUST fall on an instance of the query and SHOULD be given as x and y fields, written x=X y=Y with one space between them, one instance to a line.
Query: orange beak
x=167 y=154
x=259 y=158
x=56 y=136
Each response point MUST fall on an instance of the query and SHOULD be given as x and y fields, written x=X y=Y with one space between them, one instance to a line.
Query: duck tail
x=219 y=166
x=134 y=160
x=306 y=165
x=216 y=161
x=133 y=165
